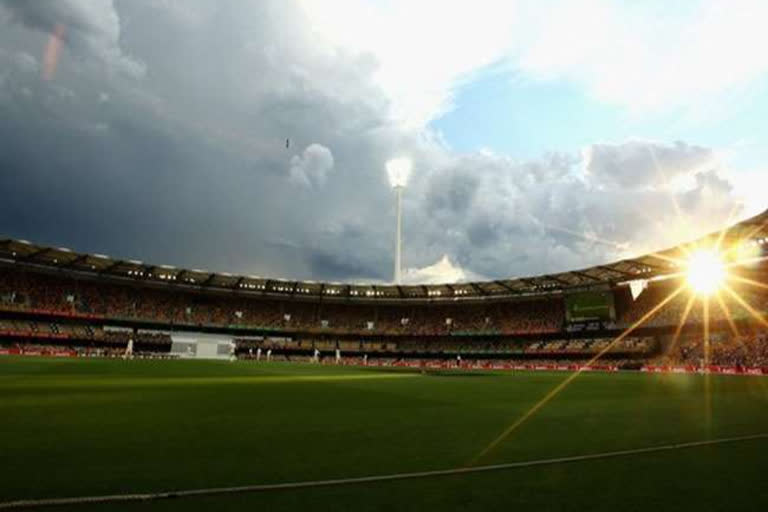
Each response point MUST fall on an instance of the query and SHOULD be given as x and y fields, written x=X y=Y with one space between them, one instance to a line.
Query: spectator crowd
x=28 y=291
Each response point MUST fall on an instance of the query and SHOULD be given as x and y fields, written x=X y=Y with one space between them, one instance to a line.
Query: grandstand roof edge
x=25 y=253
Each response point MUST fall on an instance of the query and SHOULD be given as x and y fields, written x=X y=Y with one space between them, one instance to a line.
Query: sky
x=545 y=135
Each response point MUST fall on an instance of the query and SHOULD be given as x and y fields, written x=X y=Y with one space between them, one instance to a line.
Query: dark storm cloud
x=483 y=231
x=343 y=266
x=185 y=162
x=452 y=191
x=91 y=28
x=184 y=166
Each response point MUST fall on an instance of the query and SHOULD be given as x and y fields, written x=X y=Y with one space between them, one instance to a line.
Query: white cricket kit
x=129 y=349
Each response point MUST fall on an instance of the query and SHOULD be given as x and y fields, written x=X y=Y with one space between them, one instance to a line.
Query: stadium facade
x=60 y=298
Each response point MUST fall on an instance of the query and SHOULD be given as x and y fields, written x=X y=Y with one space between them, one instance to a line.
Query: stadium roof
x=22 y=253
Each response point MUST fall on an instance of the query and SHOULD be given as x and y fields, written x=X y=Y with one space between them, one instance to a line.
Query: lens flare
x=706 y=272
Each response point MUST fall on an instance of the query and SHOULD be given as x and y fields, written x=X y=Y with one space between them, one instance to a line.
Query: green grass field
x=93 y=427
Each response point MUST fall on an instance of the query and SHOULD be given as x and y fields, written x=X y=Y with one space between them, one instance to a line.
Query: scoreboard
x=590 y=305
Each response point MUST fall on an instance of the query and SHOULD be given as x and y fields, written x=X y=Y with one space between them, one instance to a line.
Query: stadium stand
x=94 y=304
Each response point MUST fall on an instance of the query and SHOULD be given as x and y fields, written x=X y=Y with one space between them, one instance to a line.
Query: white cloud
x=422 y=49
x=444 y=271
x=311 y=168
x=638 y=163
x=500 y=217
x=642 y=56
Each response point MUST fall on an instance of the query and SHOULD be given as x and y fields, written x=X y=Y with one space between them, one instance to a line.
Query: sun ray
x=724 y=231
x=755 y=230
x=705 y=310
x=681 y=323
x=727 y=313
x=731 y=323
x=707 y=387
x=665 y=180
x=674 y=275
x=744 y=262
x=745 y=238
x=556 y=390
x=746 y=280
x=737 y=246
x=667 y=258
x=752 y=311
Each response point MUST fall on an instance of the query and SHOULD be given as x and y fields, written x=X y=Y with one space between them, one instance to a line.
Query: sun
x=706 y=271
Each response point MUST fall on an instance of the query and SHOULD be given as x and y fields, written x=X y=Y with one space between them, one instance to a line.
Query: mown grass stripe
x=132 y=381
x=367 y=479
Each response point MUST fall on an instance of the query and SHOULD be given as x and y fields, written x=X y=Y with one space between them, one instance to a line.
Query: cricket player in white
x=269 y=354
x=317 y=356
x=129 y=350
x=338 y=356
x=258 y=354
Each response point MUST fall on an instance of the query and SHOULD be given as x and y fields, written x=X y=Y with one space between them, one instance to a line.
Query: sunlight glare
x=706 y=272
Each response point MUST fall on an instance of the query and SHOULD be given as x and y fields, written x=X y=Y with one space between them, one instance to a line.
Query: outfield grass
x=90 y=427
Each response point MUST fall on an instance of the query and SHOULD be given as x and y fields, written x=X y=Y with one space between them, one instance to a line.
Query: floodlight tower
x=398 y=170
